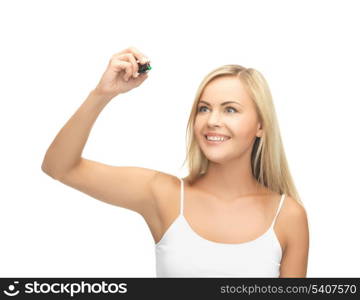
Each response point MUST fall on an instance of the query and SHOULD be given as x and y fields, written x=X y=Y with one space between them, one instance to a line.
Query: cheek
x=243 y=129
x=197 y=126
x=197 y=129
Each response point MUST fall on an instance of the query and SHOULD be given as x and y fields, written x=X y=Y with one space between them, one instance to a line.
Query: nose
x=214 y=119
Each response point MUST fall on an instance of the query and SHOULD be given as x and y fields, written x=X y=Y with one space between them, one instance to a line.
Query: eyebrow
x=224 y=103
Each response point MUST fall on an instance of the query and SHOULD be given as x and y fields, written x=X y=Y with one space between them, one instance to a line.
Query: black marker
x=143 y=67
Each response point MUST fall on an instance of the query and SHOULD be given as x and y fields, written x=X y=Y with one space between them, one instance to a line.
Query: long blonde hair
x=268 y=160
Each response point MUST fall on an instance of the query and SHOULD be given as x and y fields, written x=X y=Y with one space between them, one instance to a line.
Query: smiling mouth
x=219 y=140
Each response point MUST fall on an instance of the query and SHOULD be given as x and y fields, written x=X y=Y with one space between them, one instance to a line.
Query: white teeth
x=216 y=138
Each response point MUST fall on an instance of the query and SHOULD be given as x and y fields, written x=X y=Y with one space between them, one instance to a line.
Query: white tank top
x=181 y=252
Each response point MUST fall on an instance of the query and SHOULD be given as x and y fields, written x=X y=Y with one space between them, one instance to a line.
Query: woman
x=237 y=213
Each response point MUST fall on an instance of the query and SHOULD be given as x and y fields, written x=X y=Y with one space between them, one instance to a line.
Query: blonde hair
x=268 y=160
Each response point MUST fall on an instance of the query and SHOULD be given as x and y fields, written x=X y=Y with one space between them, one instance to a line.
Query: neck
x=233 y=178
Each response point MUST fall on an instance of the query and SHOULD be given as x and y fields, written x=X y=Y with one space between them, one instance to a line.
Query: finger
x=129 y=72
x=135 y=67
x=139 y=56
x=129 y=65
x=121 y=65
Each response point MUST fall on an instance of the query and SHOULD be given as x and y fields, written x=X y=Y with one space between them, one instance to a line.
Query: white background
x=54 y=52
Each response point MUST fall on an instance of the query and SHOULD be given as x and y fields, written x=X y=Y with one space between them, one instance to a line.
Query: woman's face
x=237 y=120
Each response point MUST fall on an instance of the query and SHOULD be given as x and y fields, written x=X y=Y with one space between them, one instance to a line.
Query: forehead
x=225 y=88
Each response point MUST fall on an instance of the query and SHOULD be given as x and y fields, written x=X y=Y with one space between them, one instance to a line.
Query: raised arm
x=128 y=187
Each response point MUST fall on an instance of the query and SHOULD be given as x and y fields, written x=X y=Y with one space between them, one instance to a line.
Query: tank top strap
x=181 y=197
x=278 y=210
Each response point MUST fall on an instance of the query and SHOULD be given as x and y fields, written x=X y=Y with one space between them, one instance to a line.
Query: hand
x=122 y=74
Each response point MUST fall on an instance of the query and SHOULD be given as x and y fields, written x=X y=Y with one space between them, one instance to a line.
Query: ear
x=259 y=131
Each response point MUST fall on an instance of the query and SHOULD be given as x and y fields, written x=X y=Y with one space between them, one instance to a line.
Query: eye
x=232 y=108
x=199 y=109
x=228 y=107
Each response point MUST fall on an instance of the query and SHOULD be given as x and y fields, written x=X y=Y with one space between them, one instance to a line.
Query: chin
x=218 y=159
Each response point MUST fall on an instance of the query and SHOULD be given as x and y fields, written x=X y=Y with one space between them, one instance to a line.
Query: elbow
x=47 y=171
x=45 y=168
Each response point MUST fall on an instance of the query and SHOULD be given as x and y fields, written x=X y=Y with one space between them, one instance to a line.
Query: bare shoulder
x=164 y=184
x=295 y=226
x=167 y=196
x=164 y=187
x=295 y=221
x=294 y=211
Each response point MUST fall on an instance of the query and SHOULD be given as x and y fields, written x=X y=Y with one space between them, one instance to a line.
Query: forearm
x=66 y=149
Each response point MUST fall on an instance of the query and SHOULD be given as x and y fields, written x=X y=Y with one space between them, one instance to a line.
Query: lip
x=216 y=134
x=215 y=142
